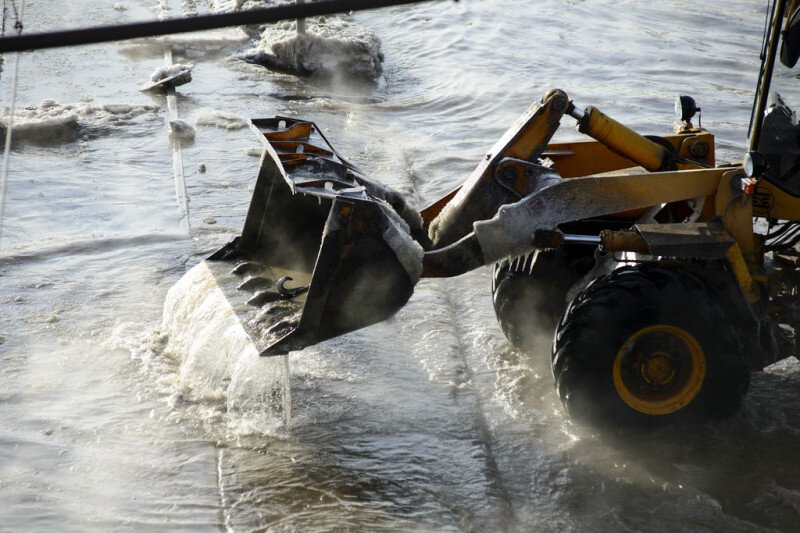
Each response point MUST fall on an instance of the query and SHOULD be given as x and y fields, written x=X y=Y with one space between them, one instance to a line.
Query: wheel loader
x=664 y=276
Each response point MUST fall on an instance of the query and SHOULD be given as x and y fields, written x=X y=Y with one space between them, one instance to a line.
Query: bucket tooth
x=264 y=297
x=244 y=268
x=255 y=284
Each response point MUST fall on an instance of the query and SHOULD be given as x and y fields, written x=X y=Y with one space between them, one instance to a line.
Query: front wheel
x=649 y=344
x=530 y=293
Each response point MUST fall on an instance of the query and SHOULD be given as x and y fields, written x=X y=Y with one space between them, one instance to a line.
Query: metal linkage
x=121 y=32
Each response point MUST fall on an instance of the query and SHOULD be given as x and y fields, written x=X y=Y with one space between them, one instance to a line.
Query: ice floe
x=52 y=123
x=331 y=46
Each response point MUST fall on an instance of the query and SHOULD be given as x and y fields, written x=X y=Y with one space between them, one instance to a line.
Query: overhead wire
x=261 y=15
x=767 y=11
x=18 y=26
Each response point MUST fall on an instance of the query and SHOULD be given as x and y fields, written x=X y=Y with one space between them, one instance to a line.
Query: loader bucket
x=323 y=250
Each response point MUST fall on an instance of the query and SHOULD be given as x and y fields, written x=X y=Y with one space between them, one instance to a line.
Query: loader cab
x=774 y=143
x=780 y=143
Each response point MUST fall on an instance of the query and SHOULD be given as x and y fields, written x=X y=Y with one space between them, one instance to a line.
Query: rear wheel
x=650 y=344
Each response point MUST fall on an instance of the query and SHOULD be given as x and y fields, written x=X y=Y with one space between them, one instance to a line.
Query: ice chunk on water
x=44 y=130
x=180 y=130
x=330 y=47
x=53 y=123
x=220 y=119
x=162 y=73
x=169 y=76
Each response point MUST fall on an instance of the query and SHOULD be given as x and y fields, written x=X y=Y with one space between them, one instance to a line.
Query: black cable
x=766 y=31
x=16 y=13
x=764 y=46
x=104 y=34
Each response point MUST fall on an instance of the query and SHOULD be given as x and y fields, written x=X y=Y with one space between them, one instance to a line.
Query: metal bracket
x=698 y=241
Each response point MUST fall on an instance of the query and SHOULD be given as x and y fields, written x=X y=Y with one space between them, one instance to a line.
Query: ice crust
x=53 y=123
x=331 y=47
x=220 y=119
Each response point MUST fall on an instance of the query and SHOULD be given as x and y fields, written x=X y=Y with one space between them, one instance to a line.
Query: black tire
x=650 y=344
x=530 y=293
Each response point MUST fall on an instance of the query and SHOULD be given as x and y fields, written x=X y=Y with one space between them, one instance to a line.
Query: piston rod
x=593 y=240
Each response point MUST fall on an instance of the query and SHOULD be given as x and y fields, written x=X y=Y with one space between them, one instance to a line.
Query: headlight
x=685 y=108
x=755 y=164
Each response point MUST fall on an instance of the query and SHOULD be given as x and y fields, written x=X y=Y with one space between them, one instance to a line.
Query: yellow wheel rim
x=659 y=369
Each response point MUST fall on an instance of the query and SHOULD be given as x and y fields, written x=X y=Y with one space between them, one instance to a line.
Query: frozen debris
x=201 y=168
x=225 y=6
x=220 y=119
x=197 y=44
x=163 y=11
x=189 y=8
x=52 y=123
x=180 y=130
x=44 y=130
x=120 y=7
x=330 y=47
x=172 y=76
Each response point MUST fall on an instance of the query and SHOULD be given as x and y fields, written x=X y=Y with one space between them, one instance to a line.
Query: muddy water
x=428 y=421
